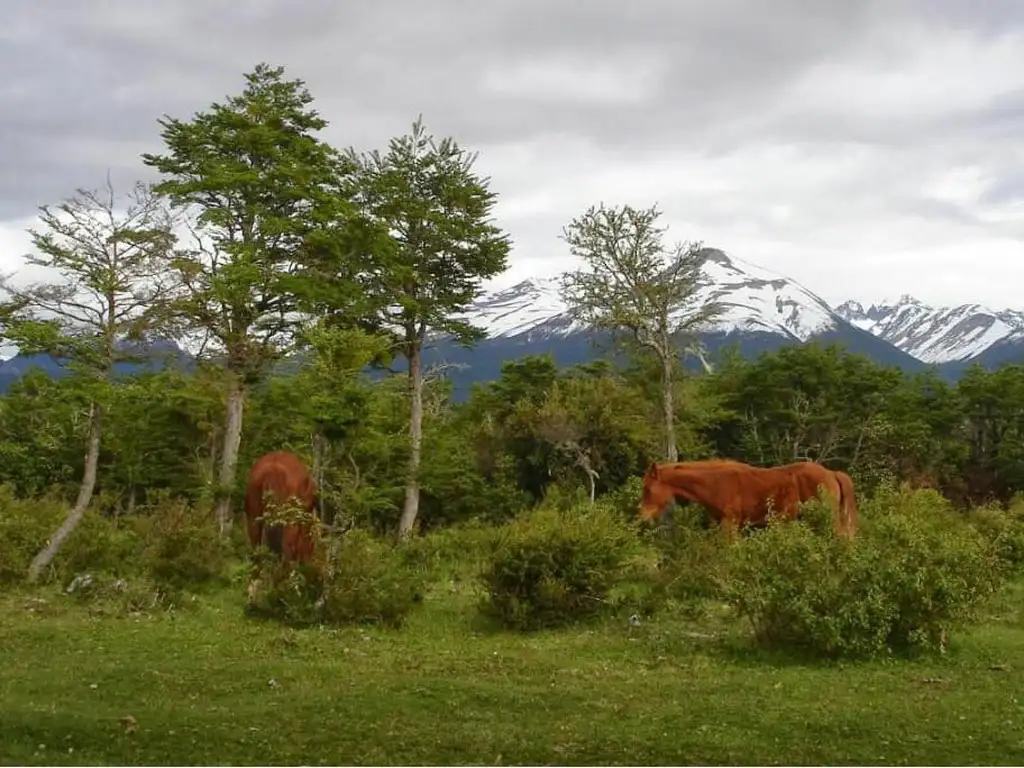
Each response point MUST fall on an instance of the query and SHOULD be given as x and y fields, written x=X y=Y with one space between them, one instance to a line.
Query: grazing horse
x=738 y=494
x=282 y=478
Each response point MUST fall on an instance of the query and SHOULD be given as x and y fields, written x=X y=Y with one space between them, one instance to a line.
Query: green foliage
x=914 y=573
x=25 y=525
x=1004 y=530
x=691 y=562
x=369 y=581
x=267 y=194
x=183 y=549
x=172 y=548
x=101 y=546
x=456 y=552
x=631 y=283
x=41 y=433
x=442 y=244
x=809 y=401
x=553 y=567
x=360 y=579
x=109 y=259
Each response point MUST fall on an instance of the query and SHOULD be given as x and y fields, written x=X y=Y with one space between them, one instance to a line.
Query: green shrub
x=25 y=527
x=455 y=552
x=625 y=499
x=1004 y=530
x=355 y=579
x=182 y=547
x=100 y=545
x=689 y=567
x=554 y=567
x=915 y=573
x=369 y=581
x=288 y=593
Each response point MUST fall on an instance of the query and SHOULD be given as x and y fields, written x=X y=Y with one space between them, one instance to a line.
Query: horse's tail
x=847 y=502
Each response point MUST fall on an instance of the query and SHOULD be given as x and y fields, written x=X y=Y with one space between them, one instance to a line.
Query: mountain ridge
x=758 y=299
x=762 y=311
x=936 y=334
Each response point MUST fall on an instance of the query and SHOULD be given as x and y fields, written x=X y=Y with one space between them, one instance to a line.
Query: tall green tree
x=632 y=287
x=437 y=211
x=269 y=209
x=110 y=257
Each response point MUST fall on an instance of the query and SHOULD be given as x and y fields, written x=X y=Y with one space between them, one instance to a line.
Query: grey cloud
x=87 y=85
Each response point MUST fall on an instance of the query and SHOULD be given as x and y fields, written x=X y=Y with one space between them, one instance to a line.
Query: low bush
x=553 y=567
x=625 y=499
x=1004 y=530
x=182 y=548
x=913 y=574
x=689 y=566
x=369 y=581
x=356 y=578
x=25 y=527
x=457 y=552
x=100 y=545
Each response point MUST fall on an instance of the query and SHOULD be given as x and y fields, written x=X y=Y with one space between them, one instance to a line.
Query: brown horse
x=282 y=478
x=738 y=494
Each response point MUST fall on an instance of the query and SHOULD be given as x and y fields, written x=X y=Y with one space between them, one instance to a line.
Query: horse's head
x=656 y=495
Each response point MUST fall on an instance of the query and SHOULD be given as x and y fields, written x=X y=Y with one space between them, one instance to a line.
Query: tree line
x=293 y=266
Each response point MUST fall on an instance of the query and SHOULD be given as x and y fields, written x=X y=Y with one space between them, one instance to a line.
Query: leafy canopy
x=436 y=212
x=270 y=210
x=630 y=282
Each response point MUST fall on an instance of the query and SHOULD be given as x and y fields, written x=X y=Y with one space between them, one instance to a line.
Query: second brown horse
x=738 y=494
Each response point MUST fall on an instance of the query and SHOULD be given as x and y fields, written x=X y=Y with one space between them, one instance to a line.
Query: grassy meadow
x=200 y=681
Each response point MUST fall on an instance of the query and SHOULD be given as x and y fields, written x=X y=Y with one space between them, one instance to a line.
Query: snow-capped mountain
x=753 y=299
x=935 y=334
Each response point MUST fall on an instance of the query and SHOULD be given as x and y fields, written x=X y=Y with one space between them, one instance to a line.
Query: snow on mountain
x=753 y=299
x=935 y=334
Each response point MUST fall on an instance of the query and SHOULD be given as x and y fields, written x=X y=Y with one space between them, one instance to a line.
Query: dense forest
x=513 y=439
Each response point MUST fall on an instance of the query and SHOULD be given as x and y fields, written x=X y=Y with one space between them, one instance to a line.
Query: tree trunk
x=229 y=454
x=412 y=483
x=668 y=409
x=92 y=460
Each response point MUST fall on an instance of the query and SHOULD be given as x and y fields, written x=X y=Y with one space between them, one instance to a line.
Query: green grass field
x=211 y=686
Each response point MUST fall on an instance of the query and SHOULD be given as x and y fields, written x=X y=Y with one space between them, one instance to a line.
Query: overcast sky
x=863 y=148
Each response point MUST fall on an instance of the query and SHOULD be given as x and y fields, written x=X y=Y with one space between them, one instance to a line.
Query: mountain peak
x=934 y=334
x=752 y=297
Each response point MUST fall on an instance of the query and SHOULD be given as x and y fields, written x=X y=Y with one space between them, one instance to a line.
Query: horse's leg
x=730 y=527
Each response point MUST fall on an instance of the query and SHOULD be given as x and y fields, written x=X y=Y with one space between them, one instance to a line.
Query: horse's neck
x=688 y=486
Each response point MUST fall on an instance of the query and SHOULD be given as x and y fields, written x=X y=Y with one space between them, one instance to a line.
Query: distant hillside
x=158 y=355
